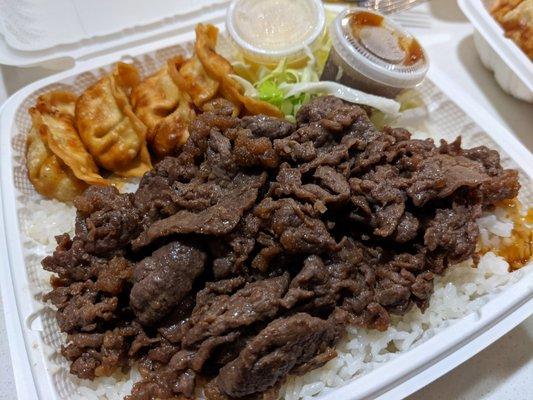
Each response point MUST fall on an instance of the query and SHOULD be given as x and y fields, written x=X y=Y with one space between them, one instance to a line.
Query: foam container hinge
x=512 y=68
x=41 y=373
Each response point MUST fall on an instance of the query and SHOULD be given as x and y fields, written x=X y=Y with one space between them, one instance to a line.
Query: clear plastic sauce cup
x=372 y=53
x=268 y=31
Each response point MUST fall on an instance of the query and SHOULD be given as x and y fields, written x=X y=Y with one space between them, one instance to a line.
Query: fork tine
x=373 y=4
x=365 y=4
x=387 y=6
x=397 y=6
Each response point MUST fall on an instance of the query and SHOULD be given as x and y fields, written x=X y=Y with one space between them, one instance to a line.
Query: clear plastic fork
x=386 y=6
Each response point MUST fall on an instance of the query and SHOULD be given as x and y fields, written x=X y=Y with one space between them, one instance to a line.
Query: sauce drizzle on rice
x=517 y=250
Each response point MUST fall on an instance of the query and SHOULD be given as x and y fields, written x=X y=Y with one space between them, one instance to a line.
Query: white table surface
x=505 y=369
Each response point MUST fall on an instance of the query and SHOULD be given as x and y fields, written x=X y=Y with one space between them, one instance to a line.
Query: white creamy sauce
x=275 y=24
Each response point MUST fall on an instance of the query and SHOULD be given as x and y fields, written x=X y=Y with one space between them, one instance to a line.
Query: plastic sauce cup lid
x=375 y=46
x=268 y=31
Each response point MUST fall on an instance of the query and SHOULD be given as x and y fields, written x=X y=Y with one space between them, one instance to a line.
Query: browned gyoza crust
x=243 y=259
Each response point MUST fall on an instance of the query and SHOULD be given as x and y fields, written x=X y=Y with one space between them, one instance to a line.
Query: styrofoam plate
x=41 y=374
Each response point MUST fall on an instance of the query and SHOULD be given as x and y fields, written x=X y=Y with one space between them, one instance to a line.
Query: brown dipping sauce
x=365 y=19
x=518 y=249
x=373 y=54
x=409 y=46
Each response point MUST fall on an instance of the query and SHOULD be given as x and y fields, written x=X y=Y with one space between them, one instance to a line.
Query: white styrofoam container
x=39 y=375
x=511 y=66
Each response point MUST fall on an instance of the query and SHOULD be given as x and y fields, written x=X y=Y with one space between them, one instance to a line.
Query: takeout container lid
x=396 y=379
x=366 y=63
x=512 y=68
x=57 y=35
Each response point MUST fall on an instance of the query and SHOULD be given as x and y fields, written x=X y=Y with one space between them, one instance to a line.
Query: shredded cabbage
x=289 y=89
x=272 y=86
x=249 y=89
x=385 y=105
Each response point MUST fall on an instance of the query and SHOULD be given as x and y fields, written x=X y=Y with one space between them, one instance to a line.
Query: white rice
x=45 y=219
x=114 y=387
x=461 y=291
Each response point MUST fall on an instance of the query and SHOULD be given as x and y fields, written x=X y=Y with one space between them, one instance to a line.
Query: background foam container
x=512 y=68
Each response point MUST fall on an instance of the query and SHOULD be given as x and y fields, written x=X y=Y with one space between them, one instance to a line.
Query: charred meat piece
x=441 y=175
x=217 y=313
x=454 y=231
x=164 y=279
x=96 y=355
x=319 y=286
x=70 y=262
x=284 y=345
x=295 y=226
x=264 y=126
x=329 y=187
x=155 y=199
x=107 y=221
x=216 y=220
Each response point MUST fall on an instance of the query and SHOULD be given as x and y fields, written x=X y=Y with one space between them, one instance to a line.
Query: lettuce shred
x=271 y=84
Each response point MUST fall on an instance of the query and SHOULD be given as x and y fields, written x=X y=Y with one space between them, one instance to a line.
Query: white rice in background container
x=470 y=308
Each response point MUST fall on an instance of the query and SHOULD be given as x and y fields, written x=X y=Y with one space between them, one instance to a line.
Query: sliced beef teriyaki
x=243 y=259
